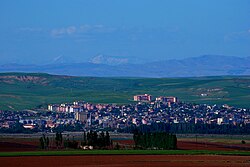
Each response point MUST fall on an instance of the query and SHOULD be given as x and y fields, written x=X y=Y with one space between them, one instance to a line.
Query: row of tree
x=155 y=140
x=44 y=142
x=94 y=139
x=91 y=138
x=184 y=128
x=59 y=139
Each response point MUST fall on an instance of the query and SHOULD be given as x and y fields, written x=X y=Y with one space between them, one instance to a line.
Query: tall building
x=167 y=99
x=81 y=116
x=144 y=97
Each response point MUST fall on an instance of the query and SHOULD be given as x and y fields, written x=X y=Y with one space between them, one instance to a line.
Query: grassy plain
x=214 y=138
x=123 y=152
x=28 y=91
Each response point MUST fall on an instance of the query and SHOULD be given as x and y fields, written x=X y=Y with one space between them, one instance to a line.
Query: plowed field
x=126 y=161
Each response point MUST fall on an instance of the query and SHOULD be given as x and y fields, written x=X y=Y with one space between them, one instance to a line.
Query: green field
x=124 y=152
x=28 y=91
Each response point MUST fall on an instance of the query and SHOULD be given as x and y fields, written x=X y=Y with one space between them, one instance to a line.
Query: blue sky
x=44 y=31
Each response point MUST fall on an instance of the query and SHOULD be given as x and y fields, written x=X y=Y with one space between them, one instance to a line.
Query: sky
x=75 y=31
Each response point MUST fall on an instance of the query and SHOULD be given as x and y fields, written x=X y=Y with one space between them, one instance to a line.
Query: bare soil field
x=126 y=161
x=189 y=145
x=31 y=144
x=192 y=145
x=12 y=147
x=18 y=144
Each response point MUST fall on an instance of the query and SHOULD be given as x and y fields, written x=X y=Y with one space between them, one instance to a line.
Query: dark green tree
x=57 y=139
x=107 y=139
x=117 y=146
x=41 y=143
x=47 y=142
x=101 y=140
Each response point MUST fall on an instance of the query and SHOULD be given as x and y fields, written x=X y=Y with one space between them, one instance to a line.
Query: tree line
x=44 y=142
x=97 y=140
x=101 y=140
x=190 y=128
x=154 y=140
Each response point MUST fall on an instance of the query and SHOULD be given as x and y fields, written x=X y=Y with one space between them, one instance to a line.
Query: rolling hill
x=34 y=90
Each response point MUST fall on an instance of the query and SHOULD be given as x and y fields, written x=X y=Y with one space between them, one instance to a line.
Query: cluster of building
x=80 y=106
x=144 y=112
x=148 y=98
x=31 y=119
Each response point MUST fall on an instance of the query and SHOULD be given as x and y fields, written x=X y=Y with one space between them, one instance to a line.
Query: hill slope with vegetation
x=35 y=90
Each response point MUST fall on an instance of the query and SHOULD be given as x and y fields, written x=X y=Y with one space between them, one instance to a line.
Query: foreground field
x=26 y=91
x=205 y=150
x=126 y=161
x=30 y=142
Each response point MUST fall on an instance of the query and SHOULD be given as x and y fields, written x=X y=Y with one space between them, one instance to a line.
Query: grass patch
x=123 y=152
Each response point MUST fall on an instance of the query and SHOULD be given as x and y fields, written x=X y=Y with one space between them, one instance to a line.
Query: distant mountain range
x=207 y=65
x=103 y=59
